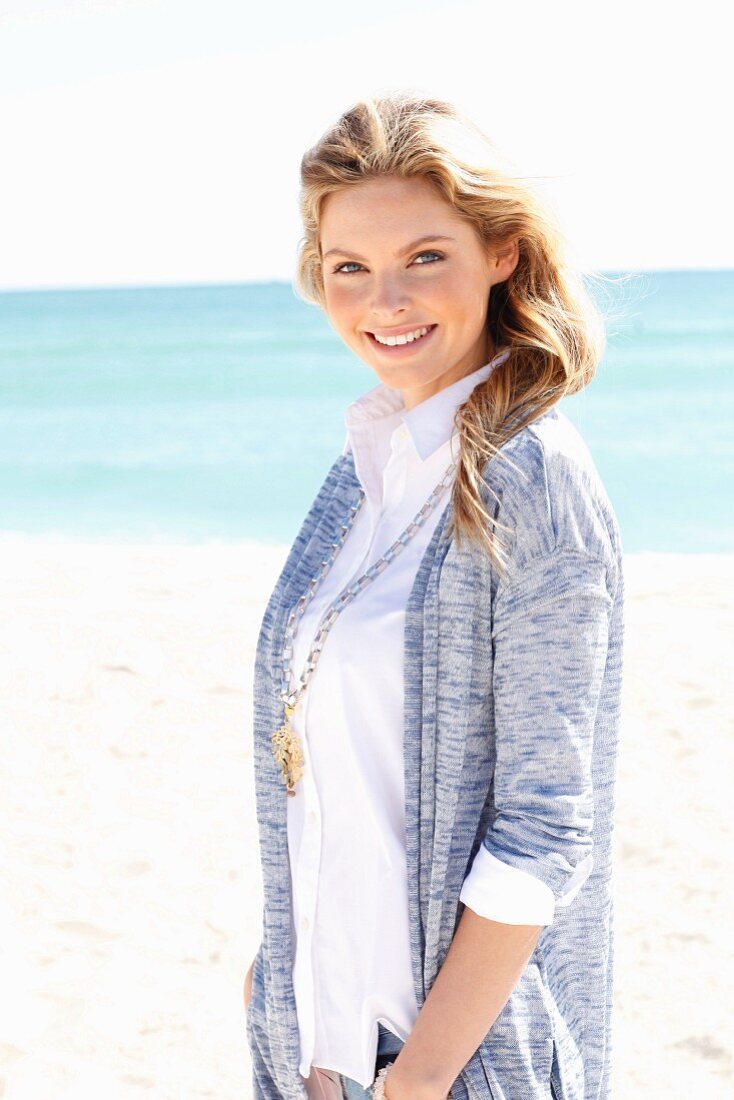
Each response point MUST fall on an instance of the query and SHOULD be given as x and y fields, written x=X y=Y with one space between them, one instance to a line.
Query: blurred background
x=168 y=410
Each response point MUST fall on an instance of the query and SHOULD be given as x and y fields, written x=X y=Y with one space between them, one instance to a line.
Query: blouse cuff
x=503 y=893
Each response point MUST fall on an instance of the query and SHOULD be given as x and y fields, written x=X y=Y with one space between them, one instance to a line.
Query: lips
x=402 y=332
x=404 y=329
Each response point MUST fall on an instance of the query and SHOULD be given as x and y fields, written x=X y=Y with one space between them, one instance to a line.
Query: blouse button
x=311 y=816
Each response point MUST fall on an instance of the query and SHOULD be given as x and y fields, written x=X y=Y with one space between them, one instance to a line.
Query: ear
x=503 y=260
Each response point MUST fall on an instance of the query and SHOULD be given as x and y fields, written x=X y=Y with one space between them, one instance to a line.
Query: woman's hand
x=484 y=963
x=247 y=991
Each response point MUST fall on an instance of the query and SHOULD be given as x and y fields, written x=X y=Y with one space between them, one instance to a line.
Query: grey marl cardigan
x=512 y=709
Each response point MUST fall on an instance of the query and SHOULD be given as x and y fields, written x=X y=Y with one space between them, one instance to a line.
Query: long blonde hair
x=542 y=313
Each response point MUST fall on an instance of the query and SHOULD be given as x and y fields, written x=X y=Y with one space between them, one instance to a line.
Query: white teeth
x=406 y=338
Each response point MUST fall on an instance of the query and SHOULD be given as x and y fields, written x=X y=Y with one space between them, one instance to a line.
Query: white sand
x=131 y=896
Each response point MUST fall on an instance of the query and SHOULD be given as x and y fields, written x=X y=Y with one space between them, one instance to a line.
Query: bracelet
x=378 y=1085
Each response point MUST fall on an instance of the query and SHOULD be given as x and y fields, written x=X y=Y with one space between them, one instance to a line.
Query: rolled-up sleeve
x=503 y=893
x=550 y=633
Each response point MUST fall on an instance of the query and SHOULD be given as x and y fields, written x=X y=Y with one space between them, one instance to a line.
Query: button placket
x=395 y=474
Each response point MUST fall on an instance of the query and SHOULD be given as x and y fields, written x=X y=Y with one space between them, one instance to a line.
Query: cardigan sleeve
x=550 y=632
x=550 y=649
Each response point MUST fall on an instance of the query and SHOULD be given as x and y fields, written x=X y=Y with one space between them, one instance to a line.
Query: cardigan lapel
x=419 y=745
x=448 y=647
x=275 y=1038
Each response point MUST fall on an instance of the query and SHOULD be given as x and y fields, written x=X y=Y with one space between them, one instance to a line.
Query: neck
x=418 y=394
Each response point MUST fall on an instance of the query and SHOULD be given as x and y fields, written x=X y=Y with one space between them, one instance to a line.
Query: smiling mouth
x=403 y=345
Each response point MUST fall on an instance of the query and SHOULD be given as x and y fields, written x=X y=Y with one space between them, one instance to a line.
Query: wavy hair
x=541 y=313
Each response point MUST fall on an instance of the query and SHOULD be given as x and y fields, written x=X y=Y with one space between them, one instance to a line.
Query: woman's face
x=382 y=278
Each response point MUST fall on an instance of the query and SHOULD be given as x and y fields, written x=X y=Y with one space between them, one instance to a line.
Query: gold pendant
x=288 y=753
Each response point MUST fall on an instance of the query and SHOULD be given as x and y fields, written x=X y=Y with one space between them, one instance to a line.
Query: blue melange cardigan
x=512 y=709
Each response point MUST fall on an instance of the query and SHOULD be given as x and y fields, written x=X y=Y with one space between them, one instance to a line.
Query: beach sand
x=131 y=895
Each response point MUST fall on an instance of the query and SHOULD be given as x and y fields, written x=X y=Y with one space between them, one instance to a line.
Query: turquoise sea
x=212 y=413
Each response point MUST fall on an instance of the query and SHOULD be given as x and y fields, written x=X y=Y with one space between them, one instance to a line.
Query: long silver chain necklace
x=287 y=747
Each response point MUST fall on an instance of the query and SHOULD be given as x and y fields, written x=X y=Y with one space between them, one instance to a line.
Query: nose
x=389 y=297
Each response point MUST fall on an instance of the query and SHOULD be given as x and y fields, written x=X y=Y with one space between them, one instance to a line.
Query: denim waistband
x=387 y=1042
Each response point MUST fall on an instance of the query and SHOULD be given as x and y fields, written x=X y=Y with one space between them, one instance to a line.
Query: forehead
x=386 y=201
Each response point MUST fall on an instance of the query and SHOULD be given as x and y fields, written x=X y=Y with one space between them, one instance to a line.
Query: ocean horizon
x=207 y=414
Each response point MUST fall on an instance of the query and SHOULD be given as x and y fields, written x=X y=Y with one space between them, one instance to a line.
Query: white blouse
x=346 y=825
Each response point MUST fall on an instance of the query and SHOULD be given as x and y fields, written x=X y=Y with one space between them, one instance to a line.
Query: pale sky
x=158 y=141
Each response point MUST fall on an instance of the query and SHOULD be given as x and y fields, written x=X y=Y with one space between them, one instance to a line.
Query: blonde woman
x=438 y=672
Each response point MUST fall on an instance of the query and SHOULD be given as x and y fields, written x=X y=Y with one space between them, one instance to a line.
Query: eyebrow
x=400 y=252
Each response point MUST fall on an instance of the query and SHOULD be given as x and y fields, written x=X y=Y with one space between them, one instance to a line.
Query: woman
x=438 y=671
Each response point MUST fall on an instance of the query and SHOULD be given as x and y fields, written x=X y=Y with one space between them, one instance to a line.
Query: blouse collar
x=378 y=418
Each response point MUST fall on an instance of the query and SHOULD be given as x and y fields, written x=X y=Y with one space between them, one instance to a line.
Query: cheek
x=447 y=289
x=342 y=302
x=465 y=296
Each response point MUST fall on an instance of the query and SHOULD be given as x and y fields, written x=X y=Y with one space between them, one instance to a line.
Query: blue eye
x=352 y=263
x=340 y=267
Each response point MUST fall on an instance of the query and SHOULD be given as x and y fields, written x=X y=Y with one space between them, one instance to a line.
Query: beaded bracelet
x=378 y=1086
